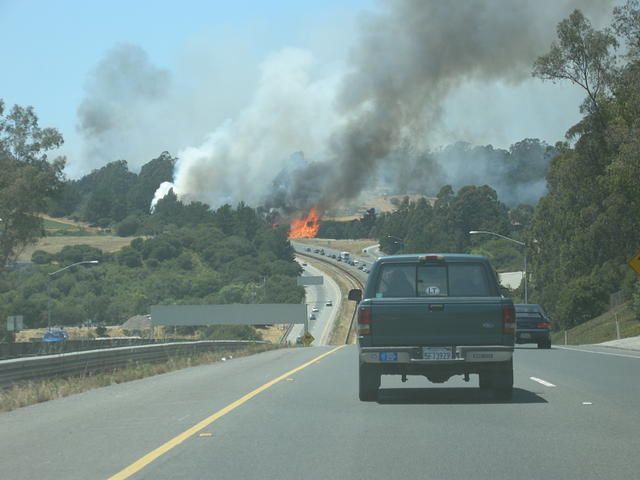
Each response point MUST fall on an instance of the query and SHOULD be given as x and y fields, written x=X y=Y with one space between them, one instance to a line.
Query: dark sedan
x=532 y=325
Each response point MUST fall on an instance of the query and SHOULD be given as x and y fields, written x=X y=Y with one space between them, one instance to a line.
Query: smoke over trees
x=388 y=98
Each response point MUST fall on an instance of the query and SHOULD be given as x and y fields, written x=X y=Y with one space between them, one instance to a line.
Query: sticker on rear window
x=378 y=295
x=432 y=290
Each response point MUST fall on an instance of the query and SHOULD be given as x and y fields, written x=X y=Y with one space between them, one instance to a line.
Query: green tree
x=29 y=180
x=586 y=226
x=152 y=174
x=127 y=227
x=582 y=55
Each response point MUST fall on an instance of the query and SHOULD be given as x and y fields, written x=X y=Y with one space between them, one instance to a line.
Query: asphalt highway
x=574 y=415
x=317 y=296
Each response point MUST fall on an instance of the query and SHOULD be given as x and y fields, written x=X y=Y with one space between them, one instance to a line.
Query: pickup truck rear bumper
x=413 y=355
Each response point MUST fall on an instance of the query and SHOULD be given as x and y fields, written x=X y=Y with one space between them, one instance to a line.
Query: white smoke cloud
x=161 y=192
x=290 y=111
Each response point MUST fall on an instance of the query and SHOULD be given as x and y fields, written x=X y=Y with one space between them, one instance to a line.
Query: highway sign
x=307 y=338
x=238 y=314
x=634 y=263
x=310 y=280
x=15 y=323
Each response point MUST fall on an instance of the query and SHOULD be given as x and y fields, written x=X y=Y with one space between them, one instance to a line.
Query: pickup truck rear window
x=397 y=281
x=454 y=280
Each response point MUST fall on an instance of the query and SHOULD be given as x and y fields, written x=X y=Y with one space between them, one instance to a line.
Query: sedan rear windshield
x=529 y=309
x=438 y=280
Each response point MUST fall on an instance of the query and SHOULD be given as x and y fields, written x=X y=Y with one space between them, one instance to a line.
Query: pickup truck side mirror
x=355 y=294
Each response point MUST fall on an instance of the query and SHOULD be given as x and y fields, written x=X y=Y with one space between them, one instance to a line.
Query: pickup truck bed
x=435 y=315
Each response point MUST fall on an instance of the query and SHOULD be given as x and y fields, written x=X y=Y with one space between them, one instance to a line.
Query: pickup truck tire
x=503 y=382
x=369 y=382
x=546 y=344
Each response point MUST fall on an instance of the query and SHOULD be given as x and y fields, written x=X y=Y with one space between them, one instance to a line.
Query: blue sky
x=51 y=50
x=55 y=44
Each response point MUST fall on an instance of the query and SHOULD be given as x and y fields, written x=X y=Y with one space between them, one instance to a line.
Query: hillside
x=106 y=243
x=602 y=328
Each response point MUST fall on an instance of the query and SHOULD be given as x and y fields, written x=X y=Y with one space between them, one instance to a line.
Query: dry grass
x=272 y=333
x=383 y=204
x=75 y=333
x=106 y=243
x=71 y=223
x=41 y=391
x=602 y=328
x=354 y=247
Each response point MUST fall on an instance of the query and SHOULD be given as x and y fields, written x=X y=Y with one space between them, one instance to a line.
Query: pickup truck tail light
x=542 y=324
x=364 y=320
x=508 y=320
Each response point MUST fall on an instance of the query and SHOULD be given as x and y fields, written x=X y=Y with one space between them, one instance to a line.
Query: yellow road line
x=177 y=440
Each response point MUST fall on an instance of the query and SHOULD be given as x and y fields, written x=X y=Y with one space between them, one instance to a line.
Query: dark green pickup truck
x=435 y=315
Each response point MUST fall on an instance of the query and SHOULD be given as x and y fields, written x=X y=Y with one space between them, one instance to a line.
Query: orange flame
x=307 y=227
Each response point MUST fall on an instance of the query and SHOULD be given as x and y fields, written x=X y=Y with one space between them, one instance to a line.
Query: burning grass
x=307 y=227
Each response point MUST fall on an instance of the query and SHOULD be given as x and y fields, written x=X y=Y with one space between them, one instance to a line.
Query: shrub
x=127 y=227
x=41 y=257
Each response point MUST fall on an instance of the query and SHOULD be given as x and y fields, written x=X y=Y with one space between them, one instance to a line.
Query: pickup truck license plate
x=436 y=353
x=525 y=335
x=388 y=356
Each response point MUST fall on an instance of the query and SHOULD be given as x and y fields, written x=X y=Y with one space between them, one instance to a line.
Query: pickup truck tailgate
x=436 y=321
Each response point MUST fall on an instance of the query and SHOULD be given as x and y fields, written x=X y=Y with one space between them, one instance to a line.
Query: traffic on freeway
x=320 y=306
x=359 y=265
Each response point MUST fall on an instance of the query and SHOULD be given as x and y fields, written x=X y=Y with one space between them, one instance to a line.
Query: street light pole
x=49 y=287
x=522 y=244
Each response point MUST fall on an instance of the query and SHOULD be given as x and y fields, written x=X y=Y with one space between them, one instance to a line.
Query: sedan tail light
x=542 y=324
x=364 y=320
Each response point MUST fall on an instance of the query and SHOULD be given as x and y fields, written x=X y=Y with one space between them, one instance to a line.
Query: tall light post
x=522 y=244
x=49 y=287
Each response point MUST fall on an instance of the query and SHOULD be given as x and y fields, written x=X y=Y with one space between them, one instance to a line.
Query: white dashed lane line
x=542 y=382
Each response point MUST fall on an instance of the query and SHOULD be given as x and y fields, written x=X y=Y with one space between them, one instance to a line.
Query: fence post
x=565 y=337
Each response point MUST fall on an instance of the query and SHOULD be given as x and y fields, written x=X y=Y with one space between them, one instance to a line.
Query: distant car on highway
x=315 y=309
x=329 y=303
x=532 y=325
x=312 y=316
x=55 y=336
x=307 y=249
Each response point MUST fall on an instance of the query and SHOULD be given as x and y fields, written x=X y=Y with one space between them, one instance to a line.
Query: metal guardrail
x=25 y=349
x=76 y=363
x=286 y=333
